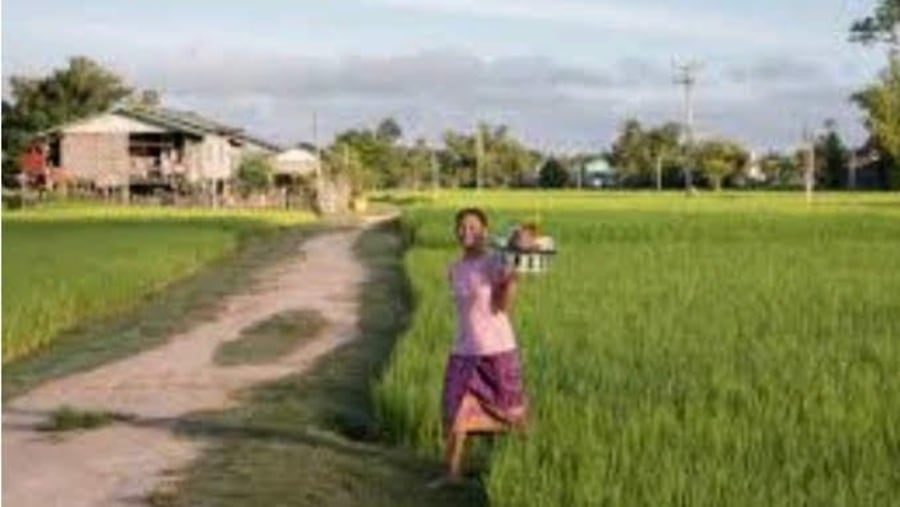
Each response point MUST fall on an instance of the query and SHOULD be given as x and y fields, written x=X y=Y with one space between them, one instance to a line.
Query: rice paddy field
x=733 y=349
x=67 y=263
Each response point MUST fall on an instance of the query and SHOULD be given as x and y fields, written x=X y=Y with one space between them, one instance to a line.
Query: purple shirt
x=479 y=329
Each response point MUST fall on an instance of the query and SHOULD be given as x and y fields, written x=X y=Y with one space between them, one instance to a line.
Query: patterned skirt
x=494 y=381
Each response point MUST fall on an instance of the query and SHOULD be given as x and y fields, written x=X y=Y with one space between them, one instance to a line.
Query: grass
x=67 y=264
x=151 y=317
x=313 y=439
x=68 y=419
x=85 y=210
x=734 y=349
x=272 y=338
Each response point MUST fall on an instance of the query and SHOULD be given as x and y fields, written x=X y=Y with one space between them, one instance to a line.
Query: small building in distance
x=295 y=161
x=598 y=173
x=751 y=174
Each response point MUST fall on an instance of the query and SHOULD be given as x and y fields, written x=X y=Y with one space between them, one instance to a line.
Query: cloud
x=777 y=117
x=431 y=89
x=641 y=19
x=764 y=102
x=437 y=73
x=778 y=69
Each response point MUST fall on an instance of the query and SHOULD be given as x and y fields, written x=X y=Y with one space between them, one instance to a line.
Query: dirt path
x=119 y=464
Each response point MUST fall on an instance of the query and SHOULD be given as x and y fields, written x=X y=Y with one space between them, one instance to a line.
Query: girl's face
x=470 y=232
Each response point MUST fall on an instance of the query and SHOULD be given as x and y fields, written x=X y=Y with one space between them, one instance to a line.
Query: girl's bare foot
x=445 y=481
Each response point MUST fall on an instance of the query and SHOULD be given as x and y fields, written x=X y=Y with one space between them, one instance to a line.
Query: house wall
x=192 y=160
x=213 y=157
x=101 y=158
x=216 y=158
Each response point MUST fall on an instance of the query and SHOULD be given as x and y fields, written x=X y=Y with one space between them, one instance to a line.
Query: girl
x=483 y=382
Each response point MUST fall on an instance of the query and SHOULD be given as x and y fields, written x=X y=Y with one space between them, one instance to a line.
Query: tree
x=553 y=174
x=513 y=161
x=459 y=155
x=344 y=159
x=780 y=169
x=883 y=26
x=720 y=159
x=635 y=152
x=881 y=103
x=881 y=100
x=629 y=154
x=832 y=157
x=416 y=164
x=505 y=160
x=664 y=145
x=389 y=131
x=254 y=174
x=376 y=151
x=79 y=90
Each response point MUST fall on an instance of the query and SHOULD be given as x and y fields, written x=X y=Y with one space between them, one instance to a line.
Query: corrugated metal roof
x=153 y=118
x=177 y=120
x=195 y=123
x=187 y=122
x=262 y=142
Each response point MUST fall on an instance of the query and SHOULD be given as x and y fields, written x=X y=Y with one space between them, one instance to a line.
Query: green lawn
x=734 y=349
x=67 y=264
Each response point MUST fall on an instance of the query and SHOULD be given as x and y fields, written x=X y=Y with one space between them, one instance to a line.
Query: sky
x=562 y=74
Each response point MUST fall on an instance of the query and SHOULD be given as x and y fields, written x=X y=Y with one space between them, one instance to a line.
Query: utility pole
x=809 y=173
x=321 y=203
x=851 y=170
x=435 y=181
x=686 y=76
x=659 y=171
x=575 y=156
x=315 y=135
x=479 y=156
x=580 y=167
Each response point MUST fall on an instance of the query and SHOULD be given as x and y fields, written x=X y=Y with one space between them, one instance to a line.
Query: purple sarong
x=495 y=381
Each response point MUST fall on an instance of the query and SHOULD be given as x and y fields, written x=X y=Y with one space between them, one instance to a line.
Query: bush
x=12 y=200
x=254 y=174
x=553 y=174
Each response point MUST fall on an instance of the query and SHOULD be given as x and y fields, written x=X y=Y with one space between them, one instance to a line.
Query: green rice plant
x=65 y=264
x=718 y=350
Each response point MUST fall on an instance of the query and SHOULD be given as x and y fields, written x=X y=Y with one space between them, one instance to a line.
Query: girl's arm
x=504 y=290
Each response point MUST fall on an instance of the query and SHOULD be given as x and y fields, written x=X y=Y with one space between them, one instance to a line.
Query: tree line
x=489 y=156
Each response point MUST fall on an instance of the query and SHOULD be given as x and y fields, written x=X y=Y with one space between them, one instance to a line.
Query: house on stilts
x=139 y=148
